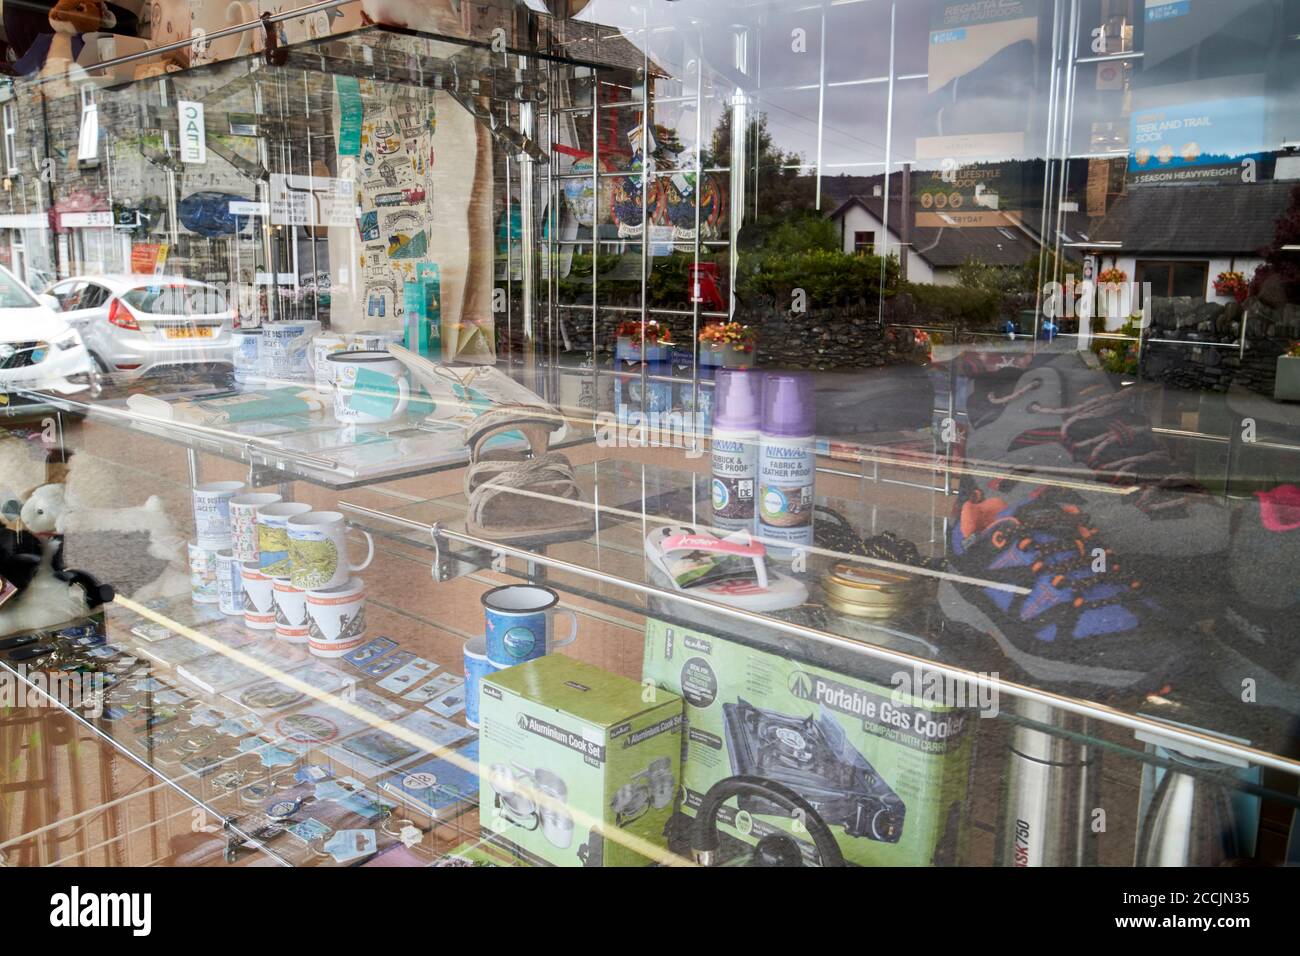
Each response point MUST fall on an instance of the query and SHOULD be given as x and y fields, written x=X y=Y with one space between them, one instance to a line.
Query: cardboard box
x=887 y=772
x=574 y=760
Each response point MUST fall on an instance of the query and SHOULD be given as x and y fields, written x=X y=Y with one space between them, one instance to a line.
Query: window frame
x=1142 y=265
x=9 y=126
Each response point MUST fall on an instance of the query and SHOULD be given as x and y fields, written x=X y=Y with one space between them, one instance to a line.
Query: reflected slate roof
x=1228 y=218
x=598 y=43
x=948 y=248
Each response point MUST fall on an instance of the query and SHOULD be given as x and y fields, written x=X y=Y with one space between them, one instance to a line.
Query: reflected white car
x=137 y=324
x=38 y=349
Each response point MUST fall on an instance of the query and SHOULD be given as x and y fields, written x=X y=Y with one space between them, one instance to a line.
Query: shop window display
x=611 y=434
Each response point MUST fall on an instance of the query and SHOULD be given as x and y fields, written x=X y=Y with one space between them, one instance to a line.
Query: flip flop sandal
x=538 y=501
x=482 y=472
x=535 y=422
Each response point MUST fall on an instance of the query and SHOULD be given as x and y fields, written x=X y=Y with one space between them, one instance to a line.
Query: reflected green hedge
x=955 y=305
x=827 y=278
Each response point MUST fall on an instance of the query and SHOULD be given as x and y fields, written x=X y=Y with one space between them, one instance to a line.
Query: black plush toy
x=20 y=557
x=21 y=553
x=31 y=559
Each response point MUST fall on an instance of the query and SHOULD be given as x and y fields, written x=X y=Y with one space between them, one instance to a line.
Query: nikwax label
x=787 y=463
x=734 y=442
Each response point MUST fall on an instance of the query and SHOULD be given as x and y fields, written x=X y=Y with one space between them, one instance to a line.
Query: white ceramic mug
x=203 y=575
x=236 y=45
x=369 y=387
x=318 y=551
x=259 y=600
x=336 y=619
x=322 y=347
x=273 y=536
x=285 y=349
x=243 y=522
x=212 y=513
x=290 y=611
x=230 y=584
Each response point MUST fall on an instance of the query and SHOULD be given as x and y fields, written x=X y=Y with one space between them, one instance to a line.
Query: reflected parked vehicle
x=134 y=325
x=38 y=349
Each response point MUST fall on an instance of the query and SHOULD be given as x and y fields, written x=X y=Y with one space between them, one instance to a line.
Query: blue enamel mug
x=520 y=621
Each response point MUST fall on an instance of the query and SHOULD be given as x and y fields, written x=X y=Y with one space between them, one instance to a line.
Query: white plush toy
x=47 y=599
x=137 y=550
x=144 y=535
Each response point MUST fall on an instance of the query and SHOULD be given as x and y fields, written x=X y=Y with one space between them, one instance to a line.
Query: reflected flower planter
x=728 y=356
x=628 y=349
x=1287 y=386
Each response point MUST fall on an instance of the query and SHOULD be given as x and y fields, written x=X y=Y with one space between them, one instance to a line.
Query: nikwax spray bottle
x=734 y=441
x=787 y=463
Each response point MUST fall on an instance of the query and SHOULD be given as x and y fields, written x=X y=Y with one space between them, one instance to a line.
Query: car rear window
x=176 y=300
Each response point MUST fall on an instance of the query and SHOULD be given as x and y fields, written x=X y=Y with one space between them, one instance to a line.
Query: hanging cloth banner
x=350 y=112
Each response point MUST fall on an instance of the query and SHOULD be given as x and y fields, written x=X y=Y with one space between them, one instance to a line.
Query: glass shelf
x=226 y=756
x=567 y=109
x=169 y=726
x=313 y=448
x=610 y=567
x=162 y=714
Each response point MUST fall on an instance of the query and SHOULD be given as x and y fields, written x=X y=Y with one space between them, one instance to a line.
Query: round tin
x=859 y=591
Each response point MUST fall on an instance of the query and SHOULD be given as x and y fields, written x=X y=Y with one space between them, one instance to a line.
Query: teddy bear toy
x=27 y=23
x=55 y=54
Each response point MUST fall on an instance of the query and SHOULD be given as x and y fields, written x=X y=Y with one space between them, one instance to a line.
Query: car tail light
x=120 y=315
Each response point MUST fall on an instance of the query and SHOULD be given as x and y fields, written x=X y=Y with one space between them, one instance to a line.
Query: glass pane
x=895 y=399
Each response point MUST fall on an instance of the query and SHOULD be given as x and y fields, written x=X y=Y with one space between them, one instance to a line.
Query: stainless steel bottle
x=1190 y=820
x=1050 y=793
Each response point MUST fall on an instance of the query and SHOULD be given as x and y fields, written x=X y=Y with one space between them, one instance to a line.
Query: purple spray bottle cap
x=788 y=404
x=737 y=403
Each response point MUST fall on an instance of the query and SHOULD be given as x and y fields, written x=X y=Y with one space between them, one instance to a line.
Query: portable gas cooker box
x=886 y=772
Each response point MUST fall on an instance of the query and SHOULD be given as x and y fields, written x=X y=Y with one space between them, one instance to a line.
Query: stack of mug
x=294 y=574
x=214 y=576
x=519 y=626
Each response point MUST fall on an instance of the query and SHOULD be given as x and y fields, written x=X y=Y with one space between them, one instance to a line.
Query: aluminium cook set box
x=572 y=759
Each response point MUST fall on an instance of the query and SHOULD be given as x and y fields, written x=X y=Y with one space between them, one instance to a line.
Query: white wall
x=858 y=219
x=1246 y=266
